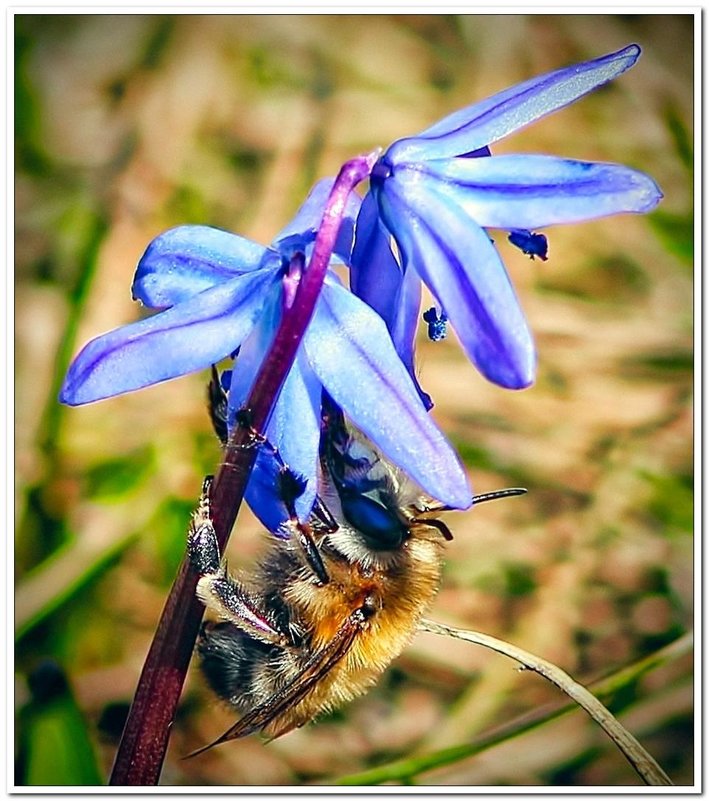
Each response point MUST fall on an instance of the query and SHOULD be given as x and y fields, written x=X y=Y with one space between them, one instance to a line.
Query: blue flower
x=220 y=292
x=438 y=192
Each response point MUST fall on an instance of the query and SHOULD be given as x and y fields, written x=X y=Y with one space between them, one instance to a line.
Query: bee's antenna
x=437 y=524
x=484 y=496
x=493 y=496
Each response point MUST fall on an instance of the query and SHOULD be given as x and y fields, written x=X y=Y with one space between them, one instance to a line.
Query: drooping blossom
x=219 y=293
x=434 y=196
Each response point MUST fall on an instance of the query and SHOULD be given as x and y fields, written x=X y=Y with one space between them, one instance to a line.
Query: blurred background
x=127 y=125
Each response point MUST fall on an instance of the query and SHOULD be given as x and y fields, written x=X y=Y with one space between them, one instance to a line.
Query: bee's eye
x=381 y=529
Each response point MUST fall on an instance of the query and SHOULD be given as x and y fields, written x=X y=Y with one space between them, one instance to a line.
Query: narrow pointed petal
x=294 y=426
x=521 y=191
x=188 y=337
x=405 y=325
x=485 y=122
x=299 y=452
x=253 y=351
x=457 y=261
x=406 y=321
x=350 y=351
x=187 y=260
x=375 y=275
x=377 y=278
x=263 y=497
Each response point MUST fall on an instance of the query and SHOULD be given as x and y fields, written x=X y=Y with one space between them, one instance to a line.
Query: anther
x=530 y=244
x=437 y=326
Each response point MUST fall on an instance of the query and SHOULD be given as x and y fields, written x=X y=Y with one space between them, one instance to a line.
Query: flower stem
x=145 y=737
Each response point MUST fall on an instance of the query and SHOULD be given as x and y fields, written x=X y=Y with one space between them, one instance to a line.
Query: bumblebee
x=323 y=613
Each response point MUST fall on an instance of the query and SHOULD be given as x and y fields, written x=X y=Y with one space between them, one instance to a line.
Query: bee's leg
x=310 y=551
x=291 y=486
x=244 y=418
x=202 y=545
x=217 y=403
x=324 y=515
x=228 y=599
x=216 y=588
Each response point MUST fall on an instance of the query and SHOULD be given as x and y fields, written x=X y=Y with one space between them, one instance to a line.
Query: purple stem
x=145 y=737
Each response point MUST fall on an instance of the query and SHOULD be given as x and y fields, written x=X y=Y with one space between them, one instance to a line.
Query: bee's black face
x=366 y=490
x=369 y=513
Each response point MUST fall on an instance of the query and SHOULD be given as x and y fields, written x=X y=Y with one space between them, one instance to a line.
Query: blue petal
x=186 y=260
x=294 y=426
x=253 y=351
x=375 y=275
x=457 y=261
x=185 y=338
x=483 y=123
x=350 y=351
x=406 y=320
x=263 y=497
x=526 y=191
x=302 y=229
x=377 y=278
x=405 y=325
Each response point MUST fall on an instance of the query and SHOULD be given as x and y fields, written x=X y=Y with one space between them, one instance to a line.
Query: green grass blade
x=58 y=579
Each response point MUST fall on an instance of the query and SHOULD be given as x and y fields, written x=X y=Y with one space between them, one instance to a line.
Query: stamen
x=530 y=244
x=437 y=326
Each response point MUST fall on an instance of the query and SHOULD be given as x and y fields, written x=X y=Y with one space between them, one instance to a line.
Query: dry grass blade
x=646 y=767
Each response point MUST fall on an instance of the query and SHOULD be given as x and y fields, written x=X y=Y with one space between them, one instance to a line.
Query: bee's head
x=369 y=496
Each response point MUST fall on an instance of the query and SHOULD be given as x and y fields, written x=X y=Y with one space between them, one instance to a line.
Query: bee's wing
x=297 y=688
